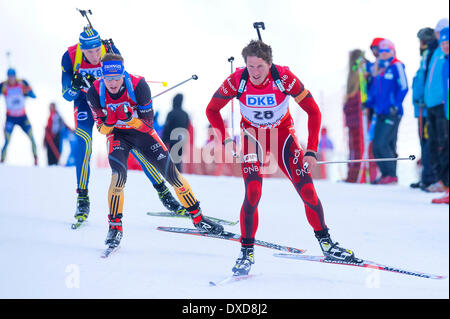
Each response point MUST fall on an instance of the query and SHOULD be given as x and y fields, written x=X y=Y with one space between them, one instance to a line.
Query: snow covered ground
x=43 y=258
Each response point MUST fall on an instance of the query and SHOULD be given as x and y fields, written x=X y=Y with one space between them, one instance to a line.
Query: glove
x=233 y=146
x=77 y=82
x=393 y=110
x=124 y=113
x=111 y=117
x=90 y=79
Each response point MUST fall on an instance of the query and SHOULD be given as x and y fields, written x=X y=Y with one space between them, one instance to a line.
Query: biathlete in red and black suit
x=263 y=90
x=122 y=108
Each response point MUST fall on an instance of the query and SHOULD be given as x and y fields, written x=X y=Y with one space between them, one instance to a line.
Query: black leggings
x=120 y=143
x=438 y=142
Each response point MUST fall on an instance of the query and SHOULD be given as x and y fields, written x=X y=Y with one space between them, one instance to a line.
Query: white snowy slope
x=42 y=257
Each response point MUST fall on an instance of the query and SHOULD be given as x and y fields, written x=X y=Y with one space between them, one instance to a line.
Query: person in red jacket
x=121 y=104
x=53 y=135
x=263 y=90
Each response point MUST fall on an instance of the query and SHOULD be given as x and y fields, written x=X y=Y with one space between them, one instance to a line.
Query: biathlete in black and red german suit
x=122 y=108
x=263 y=90
x=81 y=66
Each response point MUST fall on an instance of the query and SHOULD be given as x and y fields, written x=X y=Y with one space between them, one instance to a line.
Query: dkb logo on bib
x=261 y=100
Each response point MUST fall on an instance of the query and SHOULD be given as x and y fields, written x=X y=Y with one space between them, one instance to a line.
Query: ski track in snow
x=42 y=257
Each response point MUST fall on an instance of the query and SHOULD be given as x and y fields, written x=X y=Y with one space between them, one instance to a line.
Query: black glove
x=77 y=82
x=90 y=79
x=393 y=110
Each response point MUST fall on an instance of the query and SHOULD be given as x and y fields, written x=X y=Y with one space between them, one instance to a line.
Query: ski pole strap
x=227 y=140
x=309 y=153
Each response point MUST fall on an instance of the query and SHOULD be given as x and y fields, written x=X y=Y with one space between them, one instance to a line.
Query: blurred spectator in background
x=437 y=124
x=158 y=127
x=176 y=119
x=386 y=96
x=15 y=92
x=428 y=44
x=353 y=114
x=325 y=152
x=445 y=48
x=54 y=133
x=369 y=117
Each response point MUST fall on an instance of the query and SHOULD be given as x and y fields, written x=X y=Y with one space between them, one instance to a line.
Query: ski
x=362 y=263
x=229 y=236
x=79 y=223
x=186 y=215
x=109 y=251
x=230 y=279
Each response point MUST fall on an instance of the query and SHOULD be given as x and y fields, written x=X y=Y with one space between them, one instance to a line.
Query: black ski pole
x=257 y=26
x=194 y=77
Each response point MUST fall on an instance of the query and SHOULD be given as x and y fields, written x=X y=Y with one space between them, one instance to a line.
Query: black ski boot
x=115 y=231
x=203 y=223
x=168 y=200
x=332 y=251
x=83 y=205
x=244 y=262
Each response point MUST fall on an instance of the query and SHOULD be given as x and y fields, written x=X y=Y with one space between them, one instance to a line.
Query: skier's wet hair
x=259 y=49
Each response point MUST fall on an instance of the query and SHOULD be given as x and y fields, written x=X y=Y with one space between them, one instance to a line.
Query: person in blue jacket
x=444 y=38
x=81 y=66
x=428 y=45
x=444 y=42
x=386 y=96
x=15 y=91
x=436 y=122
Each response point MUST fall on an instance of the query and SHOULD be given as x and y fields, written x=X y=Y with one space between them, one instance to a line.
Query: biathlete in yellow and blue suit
x=80 y=68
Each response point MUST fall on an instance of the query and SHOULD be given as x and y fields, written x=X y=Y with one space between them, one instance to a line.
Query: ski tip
x=212 y=283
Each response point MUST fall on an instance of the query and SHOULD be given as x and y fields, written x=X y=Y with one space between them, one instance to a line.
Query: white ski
x=108 y=251
x=231 y=279
x=360 y=263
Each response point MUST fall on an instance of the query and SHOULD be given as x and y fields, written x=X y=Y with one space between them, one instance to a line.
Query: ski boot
x=203 y=223
x=244 y=262
x=332 y=251
x=169 y=201
x=83 y=207
x=115 y=231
